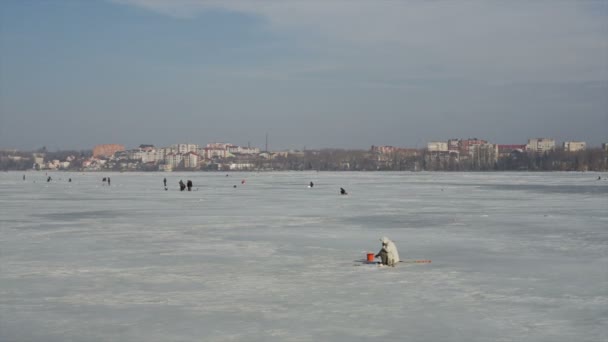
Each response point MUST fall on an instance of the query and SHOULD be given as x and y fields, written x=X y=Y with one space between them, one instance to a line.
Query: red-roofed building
x=467 y=146
x=504 y=150
x=107 y=150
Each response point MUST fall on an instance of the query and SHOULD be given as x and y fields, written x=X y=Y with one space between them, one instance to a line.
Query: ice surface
x=515 y=257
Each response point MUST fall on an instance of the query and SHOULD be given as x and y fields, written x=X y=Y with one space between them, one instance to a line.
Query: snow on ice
x=515 y=257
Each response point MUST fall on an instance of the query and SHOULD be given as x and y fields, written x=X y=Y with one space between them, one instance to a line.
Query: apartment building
x=183 y=148
x=540 y=145
x=191 y=160
x=468 y=146
x=437 y=146
x=242 y=150
x=505 y=150
x=173 y=159
x=573 y=146
x=107 y=150
x=485 y=154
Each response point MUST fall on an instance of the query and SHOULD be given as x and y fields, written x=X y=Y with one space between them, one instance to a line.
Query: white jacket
x=391 y=250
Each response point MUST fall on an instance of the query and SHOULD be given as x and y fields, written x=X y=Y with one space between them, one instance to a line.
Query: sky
x=310 y=74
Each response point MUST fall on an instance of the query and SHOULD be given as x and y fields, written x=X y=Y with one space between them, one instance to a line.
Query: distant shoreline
x=299 y=171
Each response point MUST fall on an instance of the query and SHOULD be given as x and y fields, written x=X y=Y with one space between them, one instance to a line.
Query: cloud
x=485 y=41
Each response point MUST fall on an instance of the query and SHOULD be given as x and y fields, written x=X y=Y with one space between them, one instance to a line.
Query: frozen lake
x=515 y=257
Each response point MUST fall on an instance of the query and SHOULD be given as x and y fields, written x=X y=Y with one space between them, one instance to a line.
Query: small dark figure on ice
x=49 y=179
x=189 y=185
x=108 y=181
x=312 y=184
x=343 y=192
x=165 y=182
x=182 y=186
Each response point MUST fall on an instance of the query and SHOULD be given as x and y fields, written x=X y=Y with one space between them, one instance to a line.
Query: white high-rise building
x=485 y=154
x=190 y=160
x=540 y=145
x=573 y=146
x=173 y=159
x=184 y=148
x=437 y=146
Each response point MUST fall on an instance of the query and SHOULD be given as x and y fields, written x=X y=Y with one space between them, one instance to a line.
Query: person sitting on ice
x=343 y=192
x=388 y=254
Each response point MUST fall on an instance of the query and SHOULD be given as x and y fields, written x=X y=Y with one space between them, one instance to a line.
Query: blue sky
x=344 y=74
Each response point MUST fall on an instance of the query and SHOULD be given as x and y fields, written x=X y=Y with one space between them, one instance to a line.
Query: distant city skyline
x=431 y=145
x=320 y=74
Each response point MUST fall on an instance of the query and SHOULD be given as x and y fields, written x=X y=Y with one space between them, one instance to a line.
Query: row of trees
x=359 y=160
x=12 y=163
x=559 y=160
x=590 y=160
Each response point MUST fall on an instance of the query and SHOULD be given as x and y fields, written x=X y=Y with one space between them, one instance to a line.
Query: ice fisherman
x=343 y=192
x=312 y=184
x=182 y=186
x=189 y=183
x=388 y=254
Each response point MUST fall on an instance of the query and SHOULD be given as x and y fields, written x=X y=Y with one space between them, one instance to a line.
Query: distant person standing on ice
x=182 y=186
x=312 y=184
x=108 y=181
x=388 y=254
x=165 y=182
x=189 y=182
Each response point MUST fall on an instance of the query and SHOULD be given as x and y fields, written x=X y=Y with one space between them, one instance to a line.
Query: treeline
x=358 y=160
x=559 y=160
x=323 y=160
x=15 y=161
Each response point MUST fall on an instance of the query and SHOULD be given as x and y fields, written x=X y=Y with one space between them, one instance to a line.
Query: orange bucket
x=370 y=257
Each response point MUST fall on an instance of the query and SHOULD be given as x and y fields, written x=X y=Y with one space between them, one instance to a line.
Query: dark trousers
x=384 y=257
